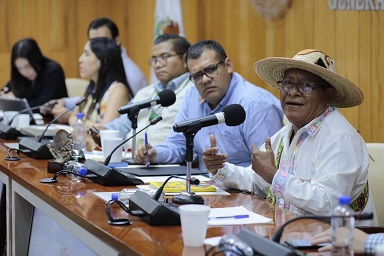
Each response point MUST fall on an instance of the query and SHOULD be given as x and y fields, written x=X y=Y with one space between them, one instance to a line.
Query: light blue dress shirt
x=263 y=119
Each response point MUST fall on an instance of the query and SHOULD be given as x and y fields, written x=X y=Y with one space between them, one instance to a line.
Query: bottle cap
x=80 y=115
x=115 y=196
x=83 y=171
x=344 y=200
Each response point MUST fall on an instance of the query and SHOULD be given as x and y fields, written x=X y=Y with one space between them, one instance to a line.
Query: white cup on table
x=109 y=145
x=104 y=134
x=194 y=220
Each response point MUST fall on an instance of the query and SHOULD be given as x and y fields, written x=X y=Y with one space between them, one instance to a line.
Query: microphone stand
x=189 y=197
x=132 y=116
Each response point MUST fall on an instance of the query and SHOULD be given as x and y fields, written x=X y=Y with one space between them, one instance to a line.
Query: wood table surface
x=75 y=199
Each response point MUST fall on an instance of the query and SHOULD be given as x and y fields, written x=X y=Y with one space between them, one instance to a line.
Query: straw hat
x=318 y=63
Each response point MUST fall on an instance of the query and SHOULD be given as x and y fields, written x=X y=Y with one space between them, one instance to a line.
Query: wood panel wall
x=354 y=39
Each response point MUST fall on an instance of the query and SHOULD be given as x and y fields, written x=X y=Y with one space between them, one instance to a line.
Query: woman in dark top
x=33 y=76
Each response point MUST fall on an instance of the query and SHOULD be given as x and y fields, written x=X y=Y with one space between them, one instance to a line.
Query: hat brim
x=347 y=93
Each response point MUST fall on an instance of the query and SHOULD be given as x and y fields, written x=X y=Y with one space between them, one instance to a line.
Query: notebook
x=179 y=186
x=16 y=105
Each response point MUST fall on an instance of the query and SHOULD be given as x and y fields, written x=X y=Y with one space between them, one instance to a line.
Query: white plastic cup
x=104 y=134
x=22 y=120
x=194 y=219
x=109 y=145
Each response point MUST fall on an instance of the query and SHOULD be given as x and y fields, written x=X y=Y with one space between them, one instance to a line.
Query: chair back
x=376 y=178
x=76 y=86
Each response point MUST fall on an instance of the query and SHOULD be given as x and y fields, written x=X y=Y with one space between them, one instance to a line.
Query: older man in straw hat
x=316 y=158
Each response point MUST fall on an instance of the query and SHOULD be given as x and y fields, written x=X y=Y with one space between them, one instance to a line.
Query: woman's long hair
x=28 y=49
x=111 y=69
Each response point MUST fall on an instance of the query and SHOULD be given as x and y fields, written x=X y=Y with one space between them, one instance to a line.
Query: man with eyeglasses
x=168 y=62
x=316 y=158
x=217 y=86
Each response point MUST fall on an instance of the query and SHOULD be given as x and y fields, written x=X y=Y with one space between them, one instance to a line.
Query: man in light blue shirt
x=168 y=62
x=217 y=86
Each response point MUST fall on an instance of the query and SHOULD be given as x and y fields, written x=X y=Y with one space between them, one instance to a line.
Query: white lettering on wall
x=357 y=5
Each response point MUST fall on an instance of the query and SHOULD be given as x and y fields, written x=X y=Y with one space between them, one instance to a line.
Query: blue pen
x=244 y=216
x=147 y=148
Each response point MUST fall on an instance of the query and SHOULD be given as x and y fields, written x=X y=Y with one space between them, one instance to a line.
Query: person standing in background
x=34 y=76
x=103 y=27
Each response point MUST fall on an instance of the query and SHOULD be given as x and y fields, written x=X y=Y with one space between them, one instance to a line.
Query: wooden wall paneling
x=324 y=32
x=346 y=56
x=254 y=27
x=377 y=78
x=140 y=31
x=364 y=66
x=192 y=19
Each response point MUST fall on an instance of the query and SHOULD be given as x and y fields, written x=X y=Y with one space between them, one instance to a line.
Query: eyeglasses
x=210 y=71
x=303 y=87
x=162 y=59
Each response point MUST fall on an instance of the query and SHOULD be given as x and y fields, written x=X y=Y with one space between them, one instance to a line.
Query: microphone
x=152 y=122
x=358 y=216
x=153 y=211
x=7 y=132
x=165 y=98
x=232 y=115
x=36 y=149
x=192 y=181
x=108 y=176
x=58 y=117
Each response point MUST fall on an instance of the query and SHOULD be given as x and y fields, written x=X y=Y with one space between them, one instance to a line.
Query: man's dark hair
x=195 y=51
x=104 y=21
x=179 y=43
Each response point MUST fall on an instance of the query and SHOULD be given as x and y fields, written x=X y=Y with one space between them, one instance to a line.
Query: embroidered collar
x=313 y=126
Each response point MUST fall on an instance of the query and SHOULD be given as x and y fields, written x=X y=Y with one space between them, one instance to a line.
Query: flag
x=168 y=20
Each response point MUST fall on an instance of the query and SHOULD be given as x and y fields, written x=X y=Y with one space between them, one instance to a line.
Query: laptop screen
x=17 y=105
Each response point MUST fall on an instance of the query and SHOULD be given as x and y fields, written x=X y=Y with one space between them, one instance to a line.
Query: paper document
x=226 y=216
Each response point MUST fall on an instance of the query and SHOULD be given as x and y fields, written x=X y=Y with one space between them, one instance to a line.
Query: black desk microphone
x=108 y=176
x=34 y=148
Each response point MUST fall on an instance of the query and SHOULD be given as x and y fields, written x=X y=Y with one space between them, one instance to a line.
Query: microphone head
x=194 y=181
x=234 y=114
x=167 y=97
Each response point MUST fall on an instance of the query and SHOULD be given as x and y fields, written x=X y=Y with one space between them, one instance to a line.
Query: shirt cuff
x=220 y=176
x=372 y=242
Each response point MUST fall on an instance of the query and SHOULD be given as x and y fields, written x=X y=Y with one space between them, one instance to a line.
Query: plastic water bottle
x=123 y=196
x=79 y=132
x=343 y=225
x=76 y=167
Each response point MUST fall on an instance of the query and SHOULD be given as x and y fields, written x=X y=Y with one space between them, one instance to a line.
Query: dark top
x=49 y=85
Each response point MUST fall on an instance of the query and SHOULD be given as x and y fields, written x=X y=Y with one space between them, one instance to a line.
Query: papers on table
x=253 y=218
x=106 y=196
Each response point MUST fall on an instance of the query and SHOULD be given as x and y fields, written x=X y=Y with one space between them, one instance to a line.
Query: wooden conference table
x=73 y=205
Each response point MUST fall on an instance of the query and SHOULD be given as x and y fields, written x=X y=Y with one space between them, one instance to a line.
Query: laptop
x=17 y=105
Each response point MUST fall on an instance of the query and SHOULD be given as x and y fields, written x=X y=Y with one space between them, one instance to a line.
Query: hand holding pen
x=145 y=152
